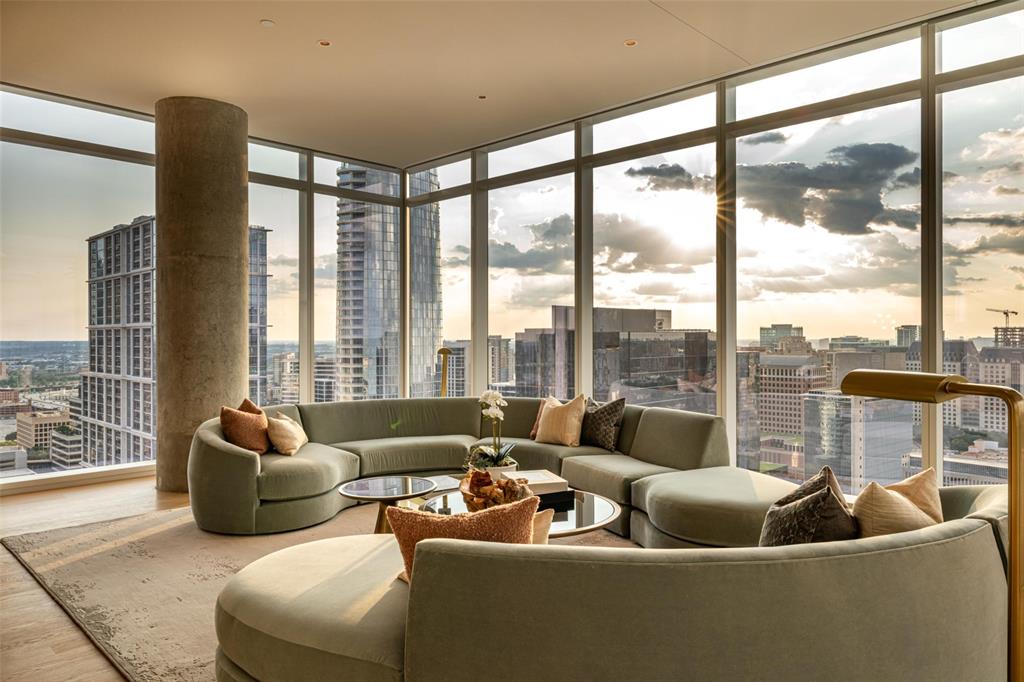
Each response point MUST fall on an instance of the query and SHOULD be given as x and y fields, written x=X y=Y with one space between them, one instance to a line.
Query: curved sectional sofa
x=233 y=490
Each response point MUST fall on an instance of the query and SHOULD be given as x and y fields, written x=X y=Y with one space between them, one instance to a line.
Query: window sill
x=67 y=479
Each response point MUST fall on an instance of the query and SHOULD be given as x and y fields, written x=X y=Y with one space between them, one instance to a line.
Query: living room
x=397 y=340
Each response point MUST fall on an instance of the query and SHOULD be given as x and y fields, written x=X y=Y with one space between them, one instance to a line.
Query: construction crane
x=1006 y=314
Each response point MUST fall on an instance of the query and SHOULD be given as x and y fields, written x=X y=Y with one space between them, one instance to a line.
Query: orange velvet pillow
x=511 y=523
x=245 y=427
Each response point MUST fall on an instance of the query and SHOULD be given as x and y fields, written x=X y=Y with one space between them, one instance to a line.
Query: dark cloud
x=842 y=194
x=550 y=250
x=672 y=177
x=1004 y=190
x=459 y=260
x=913 y=178
x=774 y=137
x=1003 y=241
x=989 y=219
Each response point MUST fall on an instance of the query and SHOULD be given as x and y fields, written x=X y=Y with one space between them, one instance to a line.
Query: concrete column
x=202 y=273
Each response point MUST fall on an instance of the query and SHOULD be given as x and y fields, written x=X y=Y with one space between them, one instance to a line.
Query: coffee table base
x=383 y=527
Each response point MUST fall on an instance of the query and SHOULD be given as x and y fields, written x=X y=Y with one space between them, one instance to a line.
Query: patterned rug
x=143 y=587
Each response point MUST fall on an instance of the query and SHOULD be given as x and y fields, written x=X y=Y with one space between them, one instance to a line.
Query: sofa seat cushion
x=410 y=453
x=608 y=475
x=314 y=469
x=532 y=455
x=325 y=610
x=716 y=507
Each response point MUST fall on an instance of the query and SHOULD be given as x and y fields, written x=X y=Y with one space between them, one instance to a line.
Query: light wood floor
x=38 y=642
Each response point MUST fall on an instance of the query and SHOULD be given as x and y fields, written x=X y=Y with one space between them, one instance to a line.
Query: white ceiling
x=399 y=84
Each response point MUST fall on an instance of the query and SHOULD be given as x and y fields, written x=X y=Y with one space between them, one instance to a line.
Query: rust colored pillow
x=511 y=523
x=245 y=427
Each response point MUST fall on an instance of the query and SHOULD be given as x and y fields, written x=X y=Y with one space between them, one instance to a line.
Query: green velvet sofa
x=233 y=490
x=857 y=610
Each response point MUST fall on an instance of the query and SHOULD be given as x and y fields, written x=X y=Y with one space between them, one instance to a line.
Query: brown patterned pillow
x=512 y=523
x=245 y=427
x=601 y=423
x=814 y=512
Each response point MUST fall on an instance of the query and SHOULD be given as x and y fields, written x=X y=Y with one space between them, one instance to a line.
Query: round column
x=202 y=273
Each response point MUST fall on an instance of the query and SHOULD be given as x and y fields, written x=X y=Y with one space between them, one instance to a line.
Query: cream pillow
x=542 y=526
x=286 y=434
x=561 y=424
x=907 y=505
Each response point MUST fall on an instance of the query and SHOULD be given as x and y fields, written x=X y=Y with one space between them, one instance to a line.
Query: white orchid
x=492 y=455
x=494 y=412
x=492 y=398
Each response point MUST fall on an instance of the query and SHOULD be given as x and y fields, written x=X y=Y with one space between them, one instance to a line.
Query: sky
x=827 y=230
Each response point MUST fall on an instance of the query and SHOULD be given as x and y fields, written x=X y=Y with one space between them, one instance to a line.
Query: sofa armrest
x=222 y=482
x=528 y=612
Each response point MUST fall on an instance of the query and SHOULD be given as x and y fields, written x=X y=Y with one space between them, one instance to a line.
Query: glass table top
x=387 y=488
x=586 y=513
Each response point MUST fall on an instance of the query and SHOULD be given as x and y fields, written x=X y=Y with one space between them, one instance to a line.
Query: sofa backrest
x=860 y=605
x=366 y=419
x=520 y=414
x=285 y=408
x=680 y=439
x=990 y=503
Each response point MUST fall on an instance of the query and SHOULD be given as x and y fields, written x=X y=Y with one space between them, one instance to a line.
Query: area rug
x=143 y=587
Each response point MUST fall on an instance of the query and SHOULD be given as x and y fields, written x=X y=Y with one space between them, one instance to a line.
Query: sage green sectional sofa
x=233 y=490
x=855 y=610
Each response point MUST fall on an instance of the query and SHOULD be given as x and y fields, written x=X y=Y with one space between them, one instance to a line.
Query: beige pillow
x=561 y=424
x=286 y=434
x=907 y=505
x=542 y=526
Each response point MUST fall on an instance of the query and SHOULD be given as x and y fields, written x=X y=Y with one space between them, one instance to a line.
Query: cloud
x=843 y=194
x=459 y=260
x=773 y=137
x=1003 y=241
x=539 y=293
x=622 y=244
x=284 y=261
x=989 y=219
x=1001 y=143
x=1004 y=170
x=656 y=289
x=550 y=250
x=1005 y=190
x=671 y=177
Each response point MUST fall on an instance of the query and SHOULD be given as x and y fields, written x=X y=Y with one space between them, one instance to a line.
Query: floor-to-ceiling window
x=77 y=294
x=654 y=280
x=983 y=244
x=530 y=258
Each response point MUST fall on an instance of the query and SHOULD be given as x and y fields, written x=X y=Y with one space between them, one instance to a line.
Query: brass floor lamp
x=444 y=353
x=938 y=388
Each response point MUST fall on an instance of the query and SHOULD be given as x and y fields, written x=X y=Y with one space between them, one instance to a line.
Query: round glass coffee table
x=386 y=491
x=587 y=512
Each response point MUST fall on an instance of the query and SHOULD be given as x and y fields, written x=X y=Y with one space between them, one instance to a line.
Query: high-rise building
x=958 y=357
x=259 y=387
x=770 y=336
x=906 y=334
x=500 y=360
x=118 y=389
x=325 y=380
x=368 y=347
x=285 y=378
x=782 y=381
x=35 y=429
x=458 y=364
x=856 y=343
x=1001 y=366
x=425 y=305
x=1009 y=337
x=861 y=439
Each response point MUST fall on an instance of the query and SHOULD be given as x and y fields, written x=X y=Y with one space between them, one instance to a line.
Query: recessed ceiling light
x=323 y=43
x=481 y=96
x=629 y=43
x=267 y=23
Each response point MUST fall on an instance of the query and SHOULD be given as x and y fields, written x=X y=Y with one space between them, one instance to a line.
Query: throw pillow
x=512 y=523
x=814 y=512
x=908 y=505
x=286 y=434
x=245 y=427
x=601 y=423
x=536 y=422
x=542 y=526
x=560 y=424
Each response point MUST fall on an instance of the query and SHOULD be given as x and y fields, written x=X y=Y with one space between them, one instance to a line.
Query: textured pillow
x=512 y=523
x=601 y=423
x=542 y=526
x=286 y=434
x=814 y=512
x=245 y=427
x=908 y=505
x=560 y=424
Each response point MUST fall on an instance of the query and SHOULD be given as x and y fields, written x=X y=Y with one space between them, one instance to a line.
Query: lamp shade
x=915 y=386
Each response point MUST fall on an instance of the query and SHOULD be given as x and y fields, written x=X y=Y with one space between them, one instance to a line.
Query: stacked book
x=553 y=490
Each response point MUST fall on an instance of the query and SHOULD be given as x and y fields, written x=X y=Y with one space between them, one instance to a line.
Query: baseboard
x=70 y=479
